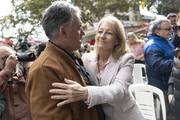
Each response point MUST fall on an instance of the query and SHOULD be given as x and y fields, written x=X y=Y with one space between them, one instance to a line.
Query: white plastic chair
x=139 y=74
x=144 y=97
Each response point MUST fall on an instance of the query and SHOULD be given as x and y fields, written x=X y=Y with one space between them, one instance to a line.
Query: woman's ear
x=116 y=42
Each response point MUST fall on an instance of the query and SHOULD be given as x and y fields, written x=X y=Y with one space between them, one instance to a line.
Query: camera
x=26 y=56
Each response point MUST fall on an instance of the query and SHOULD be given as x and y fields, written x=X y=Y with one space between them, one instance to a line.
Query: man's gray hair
x=56 y=15
x=155 y=25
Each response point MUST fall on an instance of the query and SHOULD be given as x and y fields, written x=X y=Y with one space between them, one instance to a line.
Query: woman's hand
x=68 y=92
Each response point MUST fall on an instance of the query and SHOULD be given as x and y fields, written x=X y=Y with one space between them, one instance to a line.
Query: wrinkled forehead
x=106 y=25
x=165 y=23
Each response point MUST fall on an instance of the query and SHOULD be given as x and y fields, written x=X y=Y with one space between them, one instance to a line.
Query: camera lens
x=26 y=56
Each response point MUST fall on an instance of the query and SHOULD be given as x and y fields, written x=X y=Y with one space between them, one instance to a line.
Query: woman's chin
x=100 y=46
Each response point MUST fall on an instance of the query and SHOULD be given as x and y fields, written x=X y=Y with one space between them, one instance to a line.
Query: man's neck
x=61 y=45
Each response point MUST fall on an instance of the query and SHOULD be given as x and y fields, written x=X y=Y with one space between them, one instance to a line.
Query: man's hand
x=68 y=92
x=10 y=64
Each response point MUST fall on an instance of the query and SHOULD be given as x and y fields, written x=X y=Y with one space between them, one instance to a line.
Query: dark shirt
x=176 y=41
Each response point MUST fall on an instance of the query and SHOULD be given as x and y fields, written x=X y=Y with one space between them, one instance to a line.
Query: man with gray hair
x=158 y=53
x=62 y=25
x=172 y=18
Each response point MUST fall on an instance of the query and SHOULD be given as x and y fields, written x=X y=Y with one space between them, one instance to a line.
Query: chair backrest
x=144 y=97
x=139 y=73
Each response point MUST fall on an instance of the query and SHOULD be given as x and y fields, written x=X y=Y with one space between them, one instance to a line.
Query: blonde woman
x=136 y=46
x=110 y=66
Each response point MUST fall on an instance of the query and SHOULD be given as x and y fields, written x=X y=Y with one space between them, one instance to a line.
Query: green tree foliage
x=164 y=6
x=93 y=10
x=167 y=6
x=25 y=17
x=29 y=13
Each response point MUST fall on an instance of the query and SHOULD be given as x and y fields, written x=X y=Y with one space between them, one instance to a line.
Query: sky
x=5 y=7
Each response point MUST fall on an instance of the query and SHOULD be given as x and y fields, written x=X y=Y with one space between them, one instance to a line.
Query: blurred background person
x=110 y=65
x=12 y=86
x=174 y=85
x=136 y=46
x=176 y=37
x=178 y=19
x=172 y=18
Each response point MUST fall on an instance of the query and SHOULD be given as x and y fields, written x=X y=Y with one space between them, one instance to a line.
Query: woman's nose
x=102 y=34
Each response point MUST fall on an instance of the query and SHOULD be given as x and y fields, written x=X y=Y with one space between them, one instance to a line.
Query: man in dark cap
x=172 y=18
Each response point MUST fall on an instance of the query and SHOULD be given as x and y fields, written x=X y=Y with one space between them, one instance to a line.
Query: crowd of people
x=64 y=83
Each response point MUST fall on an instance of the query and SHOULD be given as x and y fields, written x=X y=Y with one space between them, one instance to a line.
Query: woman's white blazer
x=112 y=90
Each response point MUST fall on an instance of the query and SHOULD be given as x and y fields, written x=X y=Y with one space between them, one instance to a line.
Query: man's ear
x=62 y=30
x=157 y=32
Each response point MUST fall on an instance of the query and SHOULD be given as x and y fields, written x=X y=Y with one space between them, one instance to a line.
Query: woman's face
x=131 y=40
x=105 y=37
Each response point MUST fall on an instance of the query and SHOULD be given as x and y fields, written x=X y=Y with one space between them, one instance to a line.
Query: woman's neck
x=103 y=56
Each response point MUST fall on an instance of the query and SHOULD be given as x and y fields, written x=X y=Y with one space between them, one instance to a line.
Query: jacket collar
x=94 y=58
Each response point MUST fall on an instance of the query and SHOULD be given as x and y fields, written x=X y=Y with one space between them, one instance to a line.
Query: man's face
x=165 y=29
x=173 y=20
x=75 y=34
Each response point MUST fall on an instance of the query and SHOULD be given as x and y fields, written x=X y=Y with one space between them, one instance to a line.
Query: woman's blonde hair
x=134 y=37
x=119 y=32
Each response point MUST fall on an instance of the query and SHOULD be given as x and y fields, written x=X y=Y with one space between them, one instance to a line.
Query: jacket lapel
x=92 y=67
x=109 y=73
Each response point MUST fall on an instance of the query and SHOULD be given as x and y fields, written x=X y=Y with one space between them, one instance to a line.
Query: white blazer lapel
x=93 y=71
x=91 y=66
x=109 y=73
